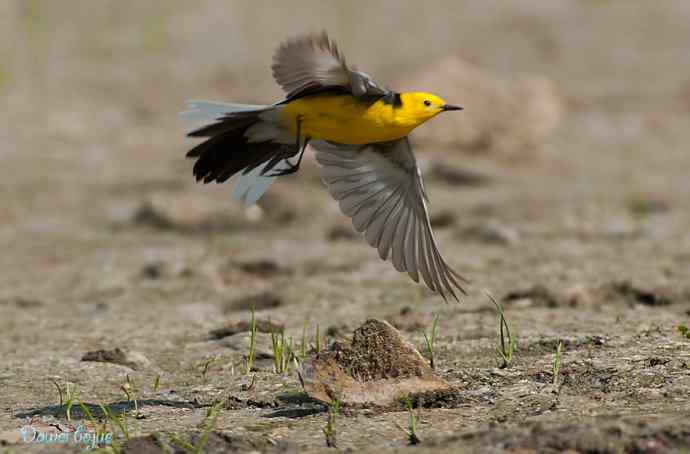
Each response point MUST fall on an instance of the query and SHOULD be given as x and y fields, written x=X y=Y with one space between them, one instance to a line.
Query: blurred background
x=575 y=124
x=567 y=171
x=575 y=127
x=589 y=99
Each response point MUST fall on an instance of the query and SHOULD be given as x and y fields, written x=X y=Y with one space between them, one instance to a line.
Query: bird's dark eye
x=427 y=102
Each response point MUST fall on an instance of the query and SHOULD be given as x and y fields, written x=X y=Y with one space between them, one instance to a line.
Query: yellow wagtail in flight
x=359 y=132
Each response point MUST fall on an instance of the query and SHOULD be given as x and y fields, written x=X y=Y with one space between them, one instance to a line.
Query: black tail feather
x=224 y=124
x=228 y=152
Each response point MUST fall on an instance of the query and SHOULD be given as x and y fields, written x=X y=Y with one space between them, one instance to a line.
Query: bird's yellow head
x=419 y=107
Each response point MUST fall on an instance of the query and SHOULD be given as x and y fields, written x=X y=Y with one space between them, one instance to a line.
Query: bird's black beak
x=447 y=107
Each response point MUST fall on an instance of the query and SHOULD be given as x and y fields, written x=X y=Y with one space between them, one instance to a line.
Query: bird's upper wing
x=312 y=63
x=380 y=187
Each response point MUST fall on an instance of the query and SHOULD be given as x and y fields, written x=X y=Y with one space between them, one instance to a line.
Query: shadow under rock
x=299 y=405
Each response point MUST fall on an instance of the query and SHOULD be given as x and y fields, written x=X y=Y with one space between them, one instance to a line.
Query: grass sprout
x=130 y=390
x=411 y=430
x=557 y=364
x=206 y=367
x=282 y=352
x=252 y=344
x=430 y=340
x=208 y=426
x=330 y=430
x=303 y=342
x=250 y=386
x=120 y=421
x=507 y=342
x=68 y=397
x=317 y=340
x=71 y=397
x=101 y=428
x=684 y=331
x=60 y=392
x=157 y=383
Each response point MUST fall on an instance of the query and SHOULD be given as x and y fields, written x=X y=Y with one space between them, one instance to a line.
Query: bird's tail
x=227 y=151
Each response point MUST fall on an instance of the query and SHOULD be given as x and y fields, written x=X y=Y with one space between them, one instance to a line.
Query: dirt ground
x=583 y=233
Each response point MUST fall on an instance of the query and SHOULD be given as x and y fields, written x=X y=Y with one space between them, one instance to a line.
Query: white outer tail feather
x=210 y=111
x=251 y=186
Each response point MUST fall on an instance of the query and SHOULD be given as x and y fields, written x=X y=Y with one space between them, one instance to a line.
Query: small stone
x=442 y=219
x=124 y=357
x=535 y=296
x=154 y=271
x=27 y=303
x=258 y=301
x=631 y=294
x=278 y=208
x=457 y=176
x=491 y=232
x=337 y=330
x=262 y=268
x=410 y=320
x=262 y=326
x=240 y=343
x=341 y=232
x=147 y=215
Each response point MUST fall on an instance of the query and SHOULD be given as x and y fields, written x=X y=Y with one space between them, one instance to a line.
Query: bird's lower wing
x=380 y=187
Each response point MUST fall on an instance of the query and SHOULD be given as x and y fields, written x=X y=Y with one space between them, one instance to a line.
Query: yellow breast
x=345 y=119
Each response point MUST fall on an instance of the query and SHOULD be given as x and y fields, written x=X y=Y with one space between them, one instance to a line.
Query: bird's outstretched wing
x=380 y=187
x=312 y=63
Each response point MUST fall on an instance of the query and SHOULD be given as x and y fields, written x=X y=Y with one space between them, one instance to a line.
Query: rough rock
x=379 y=367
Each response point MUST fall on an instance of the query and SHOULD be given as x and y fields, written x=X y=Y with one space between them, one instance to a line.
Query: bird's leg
x=271 y=164
x=301 y=153
x=292 y=168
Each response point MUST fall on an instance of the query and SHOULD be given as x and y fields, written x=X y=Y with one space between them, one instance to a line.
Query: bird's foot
x=292 y=168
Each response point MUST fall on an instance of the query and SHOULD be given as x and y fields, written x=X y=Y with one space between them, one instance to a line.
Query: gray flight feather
x=312 y=63
x=380 y=187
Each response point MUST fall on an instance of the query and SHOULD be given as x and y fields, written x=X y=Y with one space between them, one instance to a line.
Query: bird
x=358 y=131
